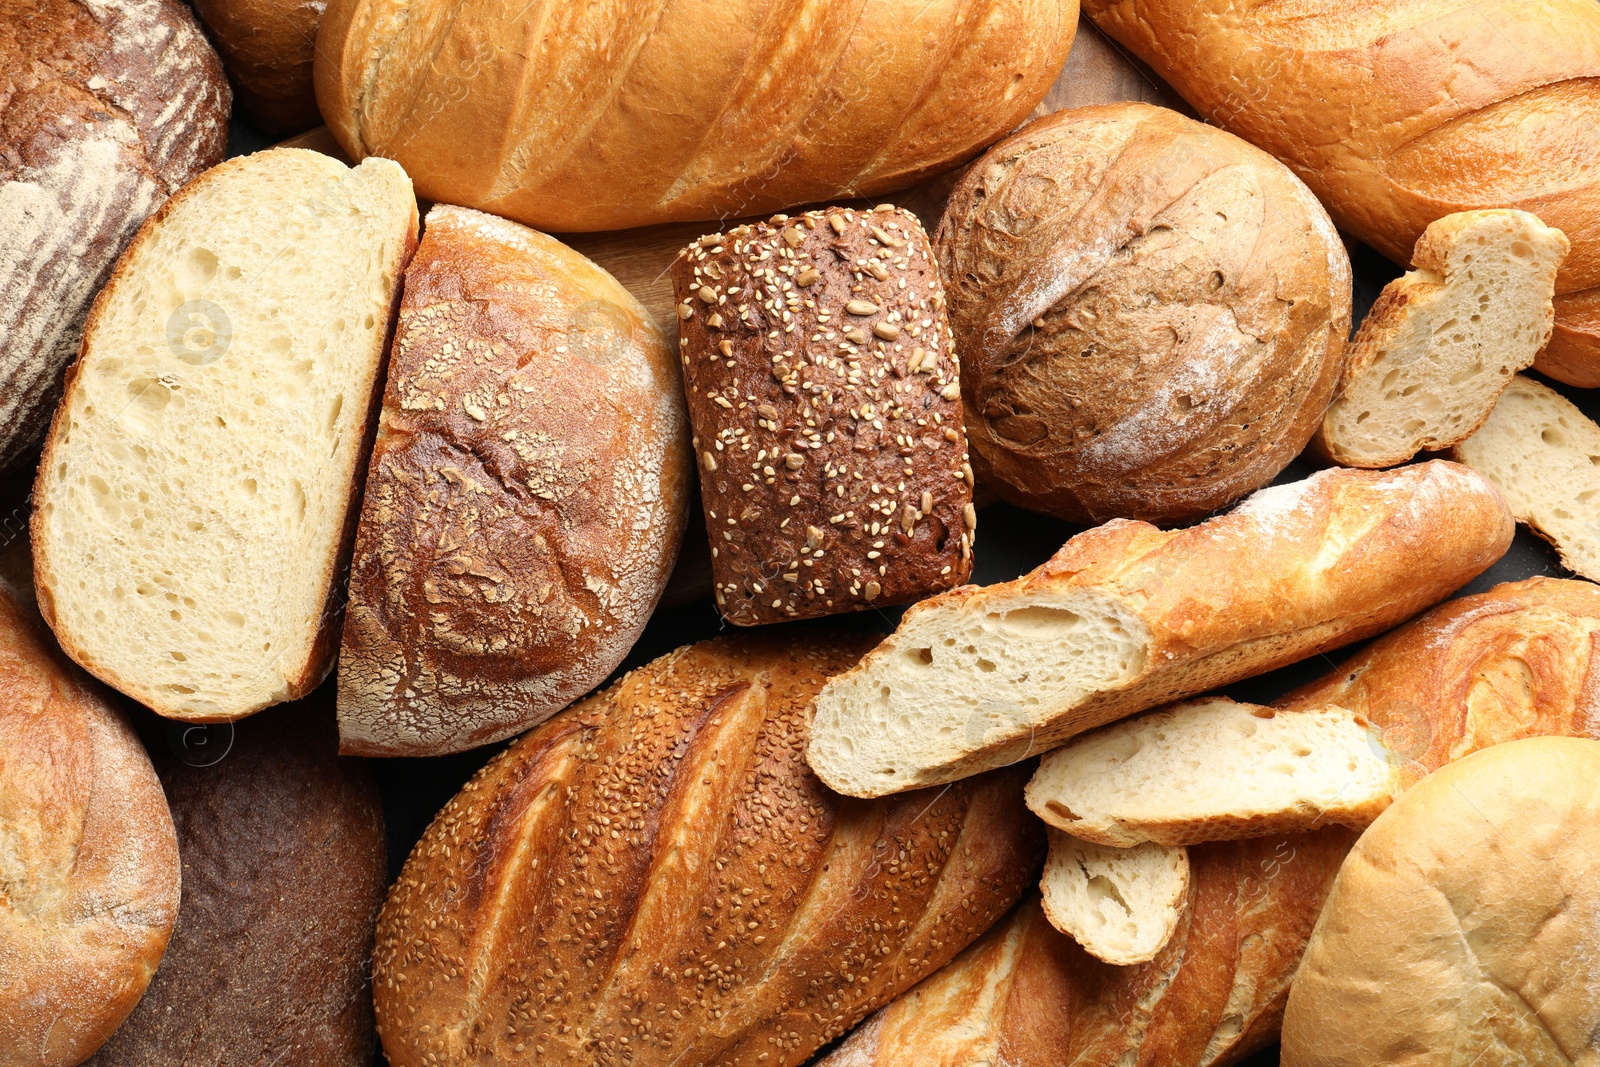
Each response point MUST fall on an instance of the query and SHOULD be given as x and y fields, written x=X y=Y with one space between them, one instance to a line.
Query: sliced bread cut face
x=1120 y=904
x=1442 y=342
x=1544 y=454
x=1216 y=770
x=194 y=500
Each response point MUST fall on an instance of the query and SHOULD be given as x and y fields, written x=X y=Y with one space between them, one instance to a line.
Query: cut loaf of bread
x=1544 y=454
x=194 y=501
x=1443 y=341
x=1126 y=617
x=1120 y=904
x=1215 y=770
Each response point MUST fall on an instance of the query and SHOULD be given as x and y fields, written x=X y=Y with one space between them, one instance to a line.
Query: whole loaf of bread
x=607 y=115
x=655 y=878
x=1398 y=112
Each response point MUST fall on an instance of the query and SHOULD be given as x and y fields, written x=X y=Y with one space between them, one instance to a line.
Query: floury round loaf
x=601 y=116
x=1151 y=314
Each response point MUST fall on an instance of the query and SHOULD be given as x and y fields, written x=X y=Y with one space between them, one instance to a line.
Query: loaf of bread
x=1126 y=617
x=826 y=401
x=89 y=876
x=1121 y=904
x=283 y=871
x=194 y=506
x=1442 y=342
x=105 y=110
x=525 y=499
x=1465 y=925
x=655 y=878
x=1397 y=112
x=1151 y=314
x=267 y=47
x=599 y=117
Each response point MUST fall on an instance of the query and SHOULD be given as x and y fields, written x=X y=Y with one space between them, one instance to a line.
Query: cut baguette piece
x=1126 y=617
x=195 y=498
x=1544 y=454
x=1120 y=904
x=1442 y=342
x=1216 y=770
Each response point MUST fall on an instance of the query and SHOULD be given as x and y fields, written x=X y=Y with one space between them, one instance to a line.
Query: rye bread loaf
x=1151 y=314
x=106 y=108
x=267 y=47
x=283 y=872
x=525 y=499
x=89 y=875
x=654 y=877
x=824 y=391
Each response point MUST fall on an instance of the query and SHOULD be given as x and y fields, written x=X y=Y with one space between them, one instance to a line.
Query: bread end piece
x=1120 y=904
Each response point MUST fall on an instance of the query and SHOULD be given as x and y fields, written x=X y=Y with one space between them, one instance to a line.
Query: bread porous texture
x=1120 y=904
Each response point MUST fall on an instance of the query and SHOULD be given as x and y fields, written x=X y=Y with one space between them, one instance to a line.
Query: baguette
x=1125 y=617
x=194 y=506
x=1121 y=904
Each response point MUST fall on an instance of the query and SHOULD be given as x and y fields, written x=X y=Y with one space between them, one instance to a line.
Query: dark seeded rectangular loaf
x=822 y=387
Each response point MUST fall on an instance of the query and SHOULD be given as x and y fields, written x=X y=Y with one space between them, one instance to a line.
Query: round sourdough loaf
x=601 y=116
x=267 y=46
x=106 y=108
x=655 y=877
x=1465 y=925
x=88 y=859
x=1151 y=314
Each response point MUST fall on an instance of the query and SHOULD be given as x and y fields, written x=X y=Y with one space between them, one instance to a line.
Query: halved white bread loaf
x=1544 y=454
x=194 y=501
x=1441 y=343
x=1216 y=770
x=1120 y=904
x=1127 y=617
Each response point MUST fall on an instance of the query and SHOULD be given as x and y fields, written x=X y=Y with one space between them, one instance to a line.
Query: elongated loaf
x=106 y=108
x=526 y=496
x=624 y=114
x=1126 y=616
x=194 y=503
x=1397 y=112
x=88 y=857
x=655 y=878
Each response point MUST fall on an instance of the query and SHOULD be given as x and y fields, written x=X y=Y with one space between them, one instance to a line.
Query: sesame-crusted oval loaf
x=619 y=113
x=825 y=394
x=525 y=499
x=1151 y=314
x=655 y=878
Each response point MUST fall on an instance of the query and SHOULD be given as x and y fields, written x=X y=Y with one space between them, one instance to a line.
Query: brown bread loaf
x=267 y=47
x=525 y=499
x=1151 y=314
x=655 y=878
x=1398 y=112
x=105 y=110
x=89 y=874
x=825 y=396
x=283 y=871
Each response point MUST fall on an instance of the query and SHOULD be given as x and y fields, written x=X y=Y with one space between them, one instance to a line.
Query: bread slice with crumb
x=195 y=498
x=1120 y=904
x=1442 y=342
x=1544 y=454
x=1216 y=770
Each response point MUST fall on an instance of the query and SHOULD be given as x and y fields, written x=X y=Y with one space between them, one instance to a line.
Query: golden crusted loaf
x=1397 y=112
x=525 y=498
x=1151 y=314
x=622 y=113
x=267 y=46
x=654 y=877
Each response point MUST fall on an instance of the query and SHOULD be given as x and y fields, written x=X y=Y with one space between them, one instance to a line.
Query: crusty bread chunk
x=194 y=498
x=1120 y=904
x=1441 y=342
x=1215 y=770
x=1544 y=454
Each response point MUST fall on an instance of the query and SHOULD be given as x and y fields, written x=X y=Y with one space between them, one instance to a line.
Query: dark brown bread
x=267 y=47
x=283 y=871
x=655 y=878
x=824 y=391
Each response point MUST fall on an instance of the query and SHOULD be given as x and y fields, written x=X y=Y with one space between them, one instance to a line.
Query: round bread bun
x=88 y=857
x=1151 y=314
x=1464 y=928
